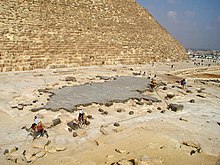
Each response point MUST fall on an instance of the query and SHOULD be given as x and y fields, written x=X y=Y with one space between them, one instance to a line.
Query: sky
x=194 y=23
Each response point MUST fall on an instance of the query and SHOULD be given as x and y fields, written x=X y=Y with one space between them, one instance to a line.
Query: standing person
x=80 y=117
x=153 y=82
x=84 y=118
x=183 y=83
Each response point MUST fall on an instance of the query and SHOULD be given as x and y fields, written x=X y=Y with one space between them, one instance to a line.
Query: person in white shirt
x=36 y=120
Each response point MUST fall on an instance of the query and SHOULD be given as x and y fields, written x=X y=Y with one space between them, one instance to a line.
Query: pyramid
x=68 y=33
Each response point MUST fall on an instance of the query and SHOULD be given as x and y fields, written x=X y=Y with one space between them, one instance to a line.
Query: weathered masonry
x=67 y=33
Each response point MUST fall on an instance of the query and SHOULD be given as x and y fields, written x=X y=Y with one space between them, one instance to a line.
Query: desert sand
x=147 y=133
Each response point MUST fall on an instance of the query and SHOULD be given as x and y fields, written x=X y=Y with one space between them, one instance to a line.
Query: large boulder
x=73 y=125
x=56 y=121
x=50 y=149
x=41 y=154
x=170 y=96
x=40 y=143
x=70 y=78
x=175 y=107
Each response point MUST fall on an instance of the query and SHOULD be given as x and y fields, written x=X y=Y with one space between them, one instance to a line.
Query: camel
x=36 y=131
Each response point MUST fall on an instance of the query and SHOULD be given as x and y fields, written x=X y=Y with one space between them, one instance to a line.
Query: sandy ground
x=152 y=135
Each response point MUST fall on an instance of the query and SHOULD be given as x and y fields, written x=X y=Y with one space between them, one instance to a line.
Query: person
x=153 y=82
x=40 y=128
x=183 y=83
x=34 y=125
x=36 y=129
x=82 y=117
x=36 y=120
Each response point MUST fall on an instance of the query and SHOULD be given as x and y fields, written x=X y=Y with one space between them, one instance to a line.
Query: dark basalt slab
x=120 y=89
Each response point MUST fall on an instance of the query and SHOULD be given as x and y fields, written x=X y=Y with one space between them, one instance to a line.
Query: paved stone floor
x=120 y=89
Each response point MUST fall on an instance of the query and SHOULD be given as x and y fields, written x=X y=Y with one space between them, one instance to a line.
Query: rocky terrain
x=182 y=127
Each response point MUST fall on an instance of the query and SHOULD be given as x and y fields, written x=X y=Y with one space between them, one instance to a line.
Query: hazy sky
x=194 y=23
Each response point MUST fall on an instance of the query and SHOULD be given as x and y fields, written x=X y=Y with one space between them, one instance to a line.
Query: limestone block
x=50 y=149
x=40 y=143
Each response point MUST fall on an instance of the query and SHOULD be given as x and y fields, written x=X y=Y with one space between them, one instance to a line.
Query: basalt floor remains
x=121 y=89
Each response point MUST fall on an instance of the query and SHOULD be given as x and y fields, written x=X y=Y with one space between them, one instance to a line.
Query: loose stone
x=73 y=79
x=75 y=134
x=105 y=113
x=175 y=107
x=192 y=101
x=56 y=121
x=119 y=110
x=101 y=110
x=116 y=124
x=163 y=111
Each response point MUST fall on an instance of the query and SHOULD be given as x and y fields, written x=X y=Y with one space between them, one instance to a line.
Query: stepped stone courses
x=57 y=33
